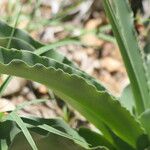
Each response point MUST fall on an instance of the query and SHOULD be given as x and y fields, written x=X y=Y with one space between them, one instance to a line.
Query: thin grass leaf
x=8 y=79
x=56 y=45
x=21 y=36
x=33 y=13
x=106 y=37
x=4 y=84
x=49 y=142
x=57 y=132
x=13 y=116
x=119 y=14
x=41 y=136
x=57 y=127
x=1 y=116
x=32 y=102
x=3 y=144
x=13 y=29
x=61 y=15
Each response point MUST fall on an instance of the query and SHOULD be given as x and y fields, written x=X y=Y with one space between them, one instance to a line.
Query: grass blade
x=119 y=15
x=8 y=79
x=56 y=45
x=33 y=102
x=4 y=85
x=3 y=144
x=13 y=116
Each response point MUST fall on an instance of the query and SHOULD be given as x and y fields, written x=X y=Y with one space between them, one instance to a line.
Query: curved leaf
x=96 y=106
x=68 y=69
x=20 y=38
x=20 y=42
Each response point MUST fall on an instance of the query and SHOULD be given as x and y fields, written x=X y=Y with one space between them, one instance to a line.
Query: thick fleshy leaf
x=96 y=106
x=121 y=19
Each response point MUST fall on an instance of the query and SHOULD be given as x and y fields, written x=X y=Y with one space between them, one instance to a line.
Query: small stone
x=110 y=64
x=14 y=86
x=6 y=105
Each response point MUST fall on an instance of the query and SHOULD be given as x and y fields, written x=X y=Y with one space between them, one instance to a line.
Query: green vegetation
x=122 y=126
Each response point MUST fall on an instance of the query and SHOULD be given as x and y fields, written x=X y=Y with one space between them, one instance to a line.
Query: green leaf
x=148 y=67
x=48 y=142
x=1 y=116
x=28 y=103
x=147 y=45
x=67 y=83
x=5 y=128
x=56 y=45
x=4 y=85
x=19 y=39
x=43 y=130
x=55 y=126
x=8 y=79
x=121 y=19
x=24 y=129
x=95 y=139
x=23 y=40
x=127 y=98
x=3 y=145
x=51 y=54
x=145 y=120
x=58 y=57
